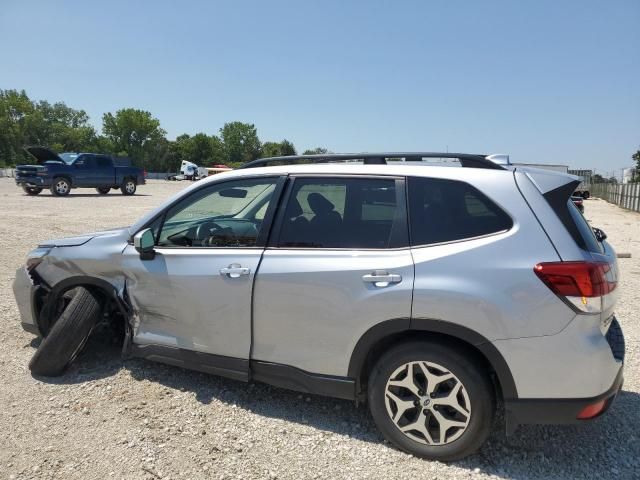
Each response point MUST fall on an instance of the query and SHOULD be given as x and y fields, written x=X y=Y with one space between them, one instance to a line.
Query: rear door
x=337 y=264
x=104 y=171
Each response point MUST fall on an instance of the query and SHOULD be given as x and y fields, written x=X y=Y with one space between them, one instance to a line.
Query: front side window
x=443 y=210
x=228 y=214
x=343 y=213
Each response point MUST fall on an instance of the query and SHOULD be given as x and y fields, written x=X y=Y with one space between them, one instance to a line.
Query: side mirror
x=144 y=242
x=600 y=235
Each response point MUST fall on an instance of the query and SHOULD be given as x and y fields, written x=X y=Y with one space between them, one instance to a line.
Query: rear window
x=584 y=229
x=447 y=210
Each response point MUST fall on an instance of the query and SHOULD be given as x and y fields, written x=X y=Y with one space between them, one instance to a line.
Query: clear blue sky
x=546 y=81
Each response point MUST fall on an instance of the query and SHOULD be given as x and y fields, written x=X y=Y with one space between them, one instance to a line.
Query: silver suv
x=433 y=293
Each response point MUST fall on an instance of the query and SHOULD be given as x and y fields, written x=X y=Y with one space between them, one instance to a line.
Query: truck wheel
x=431 y=400
x=128 y=187
x=67 y=336
x=586 y=195
x=32 y=190
x=103 y=190
x=60 y=187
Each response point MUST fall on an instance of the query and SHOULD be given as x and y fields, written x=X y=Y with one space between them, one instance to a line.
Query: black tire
x=458 y=361
x=128 y=187
x=103 y=190
x=586 y=195
x=60 y=187
x=32 y=190
x=68 y=335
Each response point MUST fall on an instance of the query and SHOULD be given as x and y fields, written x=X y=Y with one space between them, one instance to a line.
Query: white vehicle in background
x=190 y=171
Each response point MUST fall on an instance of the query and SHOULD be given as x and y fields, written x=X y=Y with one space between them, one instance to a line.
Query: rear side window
x=102 y=161
x=344 y=213
x=447 y=210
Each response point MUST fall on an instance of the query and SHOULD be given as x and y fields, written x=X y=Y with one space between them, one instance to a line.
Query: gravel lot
x=111 y=419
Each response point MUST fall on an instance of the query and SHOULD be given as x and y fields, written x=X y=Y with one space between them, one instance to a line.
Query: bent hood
x=82 y=239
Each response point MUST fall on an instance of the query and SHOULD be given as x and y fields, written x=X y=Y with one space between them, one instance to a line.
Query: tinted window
x=585 y=231
x=343 y=213
x=447 y=210
x=228 y=214
x=102 y=161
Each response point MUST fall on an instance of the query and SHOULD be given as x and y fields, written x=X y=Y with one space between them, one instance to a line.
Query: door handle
x=381 y=278
x=235 y=270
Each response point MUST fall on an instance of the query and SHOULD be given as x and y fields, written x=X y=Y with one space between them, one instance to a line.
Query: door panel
x=311 y=306
x=183 y=300
x=104 y=172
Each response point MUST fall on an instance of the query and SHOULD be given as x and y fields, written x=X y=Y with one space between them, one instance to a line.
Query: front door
x=340 y=264
x=195 y=295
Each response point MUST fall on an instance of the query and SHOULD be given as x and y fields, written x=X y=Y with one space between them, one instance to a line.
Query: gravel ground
x=111 y=419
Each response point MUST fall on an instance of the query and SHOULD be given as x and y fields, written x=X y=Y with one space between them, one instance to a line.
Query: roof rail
x=467 y=160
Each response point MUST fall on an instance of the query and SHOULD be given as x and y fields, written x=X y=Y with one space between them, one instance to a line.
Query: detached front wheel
x=431 y=400
x=68 y=335
x=128 y=187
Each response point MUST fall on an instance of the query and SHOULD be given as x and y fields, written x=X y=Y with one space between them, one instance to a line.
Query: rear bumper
x=557 y=410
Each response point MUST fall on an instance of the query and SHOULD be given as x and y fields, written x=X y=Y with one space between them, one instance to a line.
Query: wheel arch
x=383 y=335
x=66 y=176
x=96 y=284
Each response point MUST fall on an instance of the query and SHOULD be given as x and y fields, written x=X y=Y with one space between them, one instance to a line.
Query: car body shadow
x=92 y=195
x=553 y=451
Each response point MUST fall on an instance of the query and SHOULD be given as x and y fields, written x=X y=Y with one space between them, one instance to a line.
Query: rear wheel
x=60 y=187
x=128 y=187
x=103 y=190
x=586 y=195
x=431 y=400
x=32 y=190
x=68 y=335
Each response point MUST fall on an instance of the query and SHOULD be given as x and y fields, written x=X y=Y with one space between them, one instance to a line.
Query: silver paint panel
x=311 y=306
x=182 y=300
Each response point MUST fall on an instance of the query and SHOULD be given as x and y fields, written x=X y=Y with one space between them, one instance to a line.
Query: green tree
x=270 y=149
x=133 y=131
x=316 y=151
x=15 y=110
x=636 y=158
x=241 y=143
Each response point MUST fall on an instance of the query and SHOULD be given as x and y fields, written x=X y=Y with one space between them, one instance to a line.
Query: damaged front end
x=46 y=284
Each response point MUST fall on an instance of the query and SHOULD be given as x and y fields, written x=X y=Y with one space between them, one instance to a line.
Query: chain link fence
x=626 y=195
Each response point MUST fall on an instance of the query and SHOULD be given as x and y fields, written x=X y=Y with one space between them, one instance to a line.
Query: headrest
x=319 y=204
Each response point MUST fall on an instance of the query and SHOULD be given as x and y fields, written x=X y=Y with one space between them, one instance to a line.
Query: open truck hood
x=42 y=154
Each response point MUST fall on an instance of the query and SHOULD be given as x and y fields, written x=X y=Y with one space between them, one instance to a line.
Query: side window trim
x=398 y=232
x=267 y=224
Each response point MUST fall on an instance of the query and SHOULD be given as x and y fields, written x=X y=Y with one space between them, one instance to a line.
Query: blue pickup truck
x=61 y=173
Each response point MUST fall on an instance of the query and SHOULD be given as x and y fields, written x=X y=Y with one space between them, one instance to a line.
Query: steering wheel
x=206 y=230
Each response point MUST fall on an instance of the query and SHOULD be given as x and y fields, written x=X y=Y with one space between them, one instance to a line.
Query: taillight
x=583 y=284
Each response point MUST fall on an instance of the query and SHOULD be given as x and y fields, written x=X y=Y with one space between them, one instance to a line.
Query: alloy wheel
x=427 y=403
x=62 y=187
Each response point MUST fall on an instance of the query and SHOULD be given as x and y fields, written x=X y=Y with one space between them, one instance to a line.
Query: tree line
x=128 y=132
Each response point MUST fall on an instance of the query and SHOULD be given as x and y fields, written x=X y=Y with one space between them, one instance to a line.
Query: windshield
x=68 y=157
